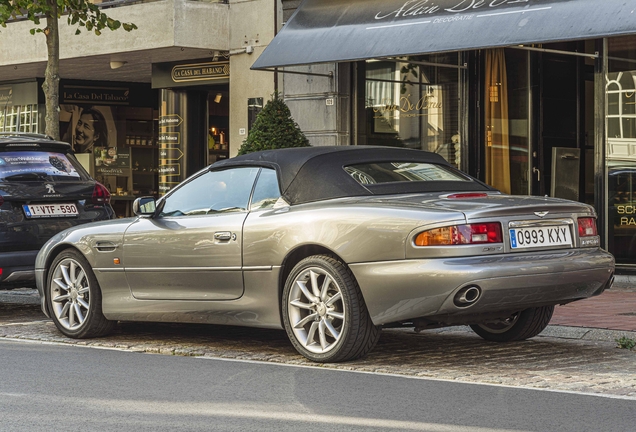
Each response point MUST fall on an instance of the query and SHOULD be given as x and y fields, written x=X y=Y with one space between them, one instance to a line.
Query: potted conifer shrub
x=274 y=128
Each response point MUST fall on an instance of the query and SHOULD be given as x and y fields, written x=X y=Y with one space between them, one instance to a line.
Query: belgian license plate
x=540 y=237
x=50 y=210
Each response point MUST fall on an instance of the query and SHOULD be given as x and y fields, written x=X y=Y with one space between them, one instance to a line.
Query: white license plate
x=50 y=210
x=521 y=238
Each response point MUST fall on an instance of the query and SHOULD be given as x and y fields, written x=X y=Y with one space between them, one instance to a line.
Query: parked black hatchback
x=43 y=190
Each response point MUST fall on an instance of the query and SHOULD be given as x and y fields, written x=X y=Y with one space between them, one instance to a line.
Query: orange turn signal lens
x=436 y=237
x=461 y=234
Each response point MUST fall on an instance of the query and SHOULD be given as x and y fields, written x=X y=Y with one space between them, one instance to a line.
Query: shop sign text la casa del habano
x=201 y=71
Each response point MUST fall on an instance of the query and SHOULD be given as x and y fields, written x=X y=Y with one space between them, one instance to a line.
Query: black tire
x=85 y=291
x=520 y=326
x=356 y=333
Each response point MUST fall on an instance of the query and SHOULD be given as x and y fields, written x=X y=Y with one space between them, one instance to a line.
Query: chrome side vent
x=106 y=246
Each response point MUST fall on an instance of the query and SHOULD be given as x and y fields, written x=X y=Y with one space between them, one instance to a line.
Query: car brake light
x=1 y=200
x=587 y=227
x=468 y=195
x=101 y=195
x=461 y=234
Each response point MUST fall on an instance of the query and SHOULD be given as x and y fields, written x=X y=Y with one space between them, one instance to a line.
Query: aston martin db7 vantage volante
x=331 y=244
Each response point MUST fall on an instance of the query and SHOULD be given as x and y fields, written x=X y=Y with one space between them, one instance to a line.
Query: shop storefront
x=193 y=117
x=113 y=130
x=620 y=99
x=531 y=96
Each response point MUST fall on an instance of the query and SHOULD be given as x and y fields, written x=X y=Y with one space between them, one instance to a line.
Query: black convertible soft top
x=308 y=174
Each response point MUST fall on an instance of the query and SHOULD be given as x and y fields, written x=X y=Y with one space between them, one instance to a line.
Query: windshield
x=391 y=172
x=38 y=165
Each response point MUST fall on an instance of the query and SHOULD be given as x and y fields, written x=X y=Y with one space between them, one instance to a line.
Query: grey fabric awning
x=347 y=30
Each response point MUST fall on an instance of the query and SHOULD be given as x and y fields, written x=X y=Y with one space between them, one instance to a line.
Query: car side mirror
x=144 y=206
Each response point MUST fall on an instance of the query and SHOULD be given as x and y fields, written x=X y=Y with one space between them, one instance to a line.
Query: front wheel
x=74 y=297
x=518 y=326
x=324 y=313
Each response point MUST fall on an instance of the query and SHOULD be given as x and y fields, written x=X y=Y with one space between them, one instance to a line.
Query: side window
x=266 y=192
x=212 y=192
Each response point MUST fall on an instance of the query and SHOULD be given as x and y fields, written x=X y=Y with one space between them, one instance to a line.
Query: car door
x=192 y=250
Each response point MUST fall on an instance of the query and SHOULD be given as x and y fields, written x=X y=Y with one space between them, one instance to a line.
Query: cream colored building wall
x=251 y=25
x=166 y=23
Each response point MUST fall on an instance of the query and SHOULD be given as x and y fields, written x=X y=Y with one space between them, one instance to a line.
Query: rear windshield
x=38 y=165
x=392 y=172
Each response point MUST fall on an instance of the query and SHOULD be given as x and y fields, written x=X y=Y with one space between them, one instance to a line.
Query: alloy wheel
x=316 y=310
x=70 y=294
x=501 y=325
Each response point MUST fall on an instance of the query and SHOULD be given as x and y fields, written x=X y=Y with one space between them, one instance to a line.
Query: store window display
x=621 y=149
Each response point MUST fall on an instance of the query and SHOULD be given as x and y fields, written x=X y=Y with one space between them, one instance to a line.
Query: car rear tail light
x=101 y=195
x=468 y=195
x=1 y=200
x=461 y=234
x=587 y=227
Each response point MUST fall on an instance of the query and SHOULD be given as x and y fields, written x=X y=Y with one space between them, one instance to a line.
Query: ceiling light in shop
x=117 y=64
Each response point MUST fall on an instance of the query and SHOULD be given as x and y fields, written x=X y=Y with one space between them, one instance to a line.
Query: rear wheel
x=518 y=326
x=324 y=313
x=74 y=297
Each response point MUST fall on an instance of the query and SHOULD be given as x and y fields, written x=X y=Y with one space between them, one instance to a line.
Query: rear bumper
x=17 y=269
x=405 y=290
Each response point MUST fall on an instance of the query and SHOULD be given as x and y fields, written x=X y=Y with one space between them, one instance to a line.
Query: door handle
x=223 y=235
x=537 y=171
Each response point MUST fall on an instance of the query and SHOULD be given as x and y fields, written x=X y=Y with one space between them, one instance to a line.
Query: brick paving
x=614 y=310
x=561 y=360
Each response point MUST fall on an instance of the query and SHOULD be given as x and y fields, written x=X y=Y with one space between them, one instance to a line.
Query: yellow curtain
x=497 y=133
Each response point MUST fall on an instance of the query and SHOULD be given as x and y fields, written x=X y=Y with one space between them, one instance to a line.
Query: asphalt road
x=46 y=387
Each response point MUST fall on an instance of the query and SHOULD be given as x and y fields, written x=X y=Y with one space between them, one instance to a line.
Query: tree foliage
x=79 y=13
x=274 y=128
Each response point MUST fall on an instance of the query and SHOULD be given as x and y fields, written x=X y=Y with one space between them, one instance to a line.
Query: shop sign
x=74 y=94
x=6 y=95
x=170 y=154
x=170 y=170
x=201 y=71
x=169 y=138
x=170 y=121
x=428 y=8
x=111 y=171
x=172 y=75
x=19 y=94
x=626 y=214
x=407 y=106
x=165 y=187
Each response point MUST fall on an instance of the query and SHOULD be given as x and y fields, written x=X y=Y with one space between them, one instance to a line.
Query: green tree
x=80 y=13
x=274 y=128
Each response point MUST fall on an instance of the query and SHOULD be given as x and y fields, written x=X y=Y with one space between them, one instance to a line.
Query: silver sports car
x=331 y=244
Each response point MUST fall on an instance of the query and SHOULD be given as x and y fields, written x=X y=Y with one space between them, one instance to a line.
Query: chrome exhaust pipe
x=467 y=296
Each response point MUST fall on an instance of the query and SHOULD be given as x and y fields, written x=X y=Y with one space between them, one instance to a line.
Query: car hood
x=492 y=205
